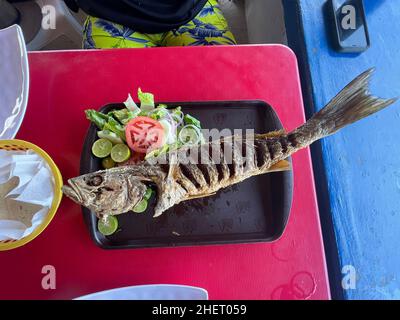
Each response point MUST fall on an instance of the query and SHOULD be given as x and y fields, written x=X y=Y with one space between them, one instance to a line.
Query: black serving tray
x=255 y=210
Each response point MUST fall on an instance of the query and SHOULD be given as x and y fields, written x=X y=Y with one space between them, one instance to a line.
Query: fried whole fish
x=118 y=190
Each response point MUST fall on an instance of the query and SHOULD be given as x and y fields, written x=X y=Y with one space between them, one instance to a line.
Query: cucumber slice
x=189 y=135
x=109 y=135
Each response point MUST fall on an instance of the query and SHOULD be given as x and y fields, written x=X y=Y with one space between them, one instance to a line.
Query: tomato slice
x=144 y=134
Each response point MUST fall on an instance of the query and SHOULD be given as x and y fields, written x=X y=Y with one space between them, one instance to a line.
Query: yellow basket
x=16 y=145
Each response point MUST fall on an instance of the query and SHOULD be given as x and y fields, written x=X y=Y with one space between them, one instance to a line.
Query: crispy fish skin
x=179 y=181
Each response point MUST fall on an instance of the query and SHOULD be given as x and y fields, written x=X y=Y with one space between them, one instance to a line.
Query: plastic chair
x=33 y=16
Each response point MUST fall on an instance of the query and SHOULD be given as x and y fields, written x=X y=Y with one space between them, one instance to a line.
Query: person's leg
x=102 y=34
x=209 y=27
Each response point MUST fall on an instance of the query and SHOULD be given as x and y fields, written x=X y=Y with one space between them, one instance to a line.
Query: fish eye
x=94 y=181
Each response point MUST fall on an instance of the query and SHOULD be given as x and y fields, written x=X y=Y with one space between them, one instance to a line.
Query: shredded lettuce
x=157 y=152
x=192 y=120
x=98 y=118
x=163 y=150
x=159 y=113
x=143 y=114
x=177 y=114
x=180 y=129
x=114 y=126
x=130 y=104
x=124 y=115
x=146 y=100
x=175 y=146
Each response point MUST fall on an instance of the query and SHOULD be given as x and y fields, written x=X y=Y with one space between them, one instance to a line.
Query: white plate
x=14 y=81
x=150 y=292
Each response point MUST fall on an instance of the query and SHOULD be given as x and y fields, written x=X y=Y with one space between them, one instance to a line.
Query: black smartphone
x=350 y=25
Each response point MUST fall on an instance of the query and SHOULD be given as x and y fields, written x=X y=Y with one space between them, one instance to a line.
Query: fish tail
x=353 y=103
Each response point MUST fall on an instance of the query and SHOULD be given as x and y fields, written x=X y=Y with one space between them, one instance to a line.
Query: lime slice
x=141 y=206
x=102 y=148
x=108 y=225
x=120 y=153
x=108 y=163
x=148 y=194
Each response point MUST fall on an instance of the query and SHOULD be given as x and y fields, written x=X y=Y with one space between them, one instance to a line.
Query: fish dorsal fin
x=272 y=134
x=282 y=165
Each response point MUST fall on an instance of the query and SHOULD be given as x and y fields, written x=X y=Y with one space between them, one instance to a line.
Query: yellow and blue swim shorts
x=209 y=27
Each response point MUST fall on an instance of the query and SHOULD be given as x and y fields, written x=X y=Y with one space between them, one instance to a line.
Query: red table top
x=63 y=84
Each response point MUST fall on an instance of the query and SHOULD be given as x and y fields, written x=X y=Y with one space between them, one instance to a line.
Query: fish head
x=106 y=192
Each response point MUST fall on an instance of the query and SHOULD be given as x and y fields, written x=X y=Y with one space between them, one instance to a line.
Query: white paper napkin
x=24 y=201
